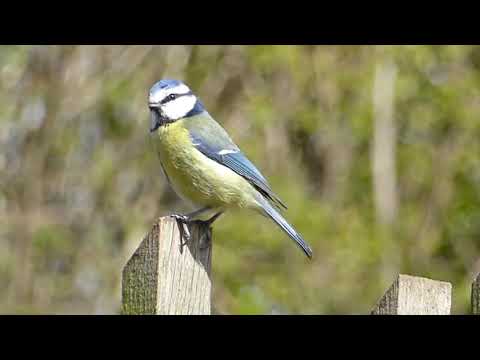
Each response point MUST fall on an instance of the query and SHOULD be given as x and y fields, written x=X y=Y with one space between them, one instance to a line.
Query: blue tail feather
x=273 y=214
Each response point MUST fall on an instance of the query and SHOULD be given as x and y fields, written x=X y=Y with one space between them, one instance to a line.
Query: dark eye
x=172 y=97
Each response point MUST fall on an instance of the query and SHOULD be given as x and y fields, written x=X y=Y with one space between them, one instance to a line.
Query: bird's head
x=171 y=100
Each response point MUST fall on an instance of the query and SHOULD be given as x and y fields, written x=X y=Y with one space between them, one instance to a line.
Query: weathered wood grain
x=411 y=295
x=167 y=276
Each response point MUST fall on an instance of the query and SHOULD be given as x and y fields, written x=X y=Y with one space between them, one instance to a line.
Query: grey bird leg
x=208 y=223
x=185 y=219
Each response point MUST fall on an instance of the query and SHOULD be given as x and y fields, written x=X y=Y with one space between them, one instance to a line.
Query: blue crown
x=165 y=84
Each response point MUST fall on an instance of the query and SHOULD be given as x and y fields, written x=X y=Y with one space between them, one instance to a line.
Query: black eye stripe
x=171 y=97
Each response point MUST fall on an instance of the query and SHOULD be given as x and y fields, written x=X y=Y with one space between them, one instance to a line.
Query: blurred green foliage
x=80 y=183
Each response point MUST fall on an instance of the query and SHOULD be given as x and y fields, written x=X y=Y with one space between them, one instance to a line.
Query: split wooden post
x=412 y=295
x=476 y=296
x=167 y=275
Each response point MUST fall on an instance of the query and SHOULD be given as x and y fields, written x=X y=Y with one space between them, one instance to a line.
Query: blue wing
x=213 y=141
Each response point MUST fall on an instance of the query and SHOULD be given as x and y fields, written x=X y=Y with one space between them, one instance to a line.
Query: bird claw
x=183 y=220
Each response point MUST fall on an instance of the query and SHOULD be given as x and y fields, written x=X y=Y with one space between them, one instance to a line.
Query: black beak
x=155 y=119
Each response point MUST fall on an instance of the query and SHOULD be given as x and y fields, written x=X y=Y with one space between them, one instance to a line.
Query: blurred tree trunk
x=384 y=142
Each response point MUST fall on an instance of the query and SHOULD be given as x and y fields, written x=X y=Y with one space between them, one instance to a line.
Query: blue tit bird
x=203 y=165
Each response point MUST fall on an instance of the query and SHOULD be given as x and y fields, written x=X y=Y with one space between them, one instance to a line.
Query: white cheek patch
x=179 y=107
x=159 y=95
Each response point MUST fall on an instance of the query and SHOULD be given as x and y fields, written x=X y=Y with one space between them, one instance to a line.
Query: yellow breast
x=195 y=177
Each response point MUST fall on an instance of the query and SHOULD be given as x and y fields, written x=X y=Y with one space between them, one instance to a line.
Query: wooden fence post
x=167 y=276
x=476 y=296
x=412 y=295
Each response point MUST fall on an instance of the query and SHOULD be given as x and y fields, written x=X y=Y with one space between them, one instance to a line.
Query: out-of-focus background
x=375 y=149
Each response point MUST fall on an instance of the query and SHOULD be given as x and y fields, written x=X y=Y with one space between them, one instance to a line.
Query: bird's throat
x=157 y=120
